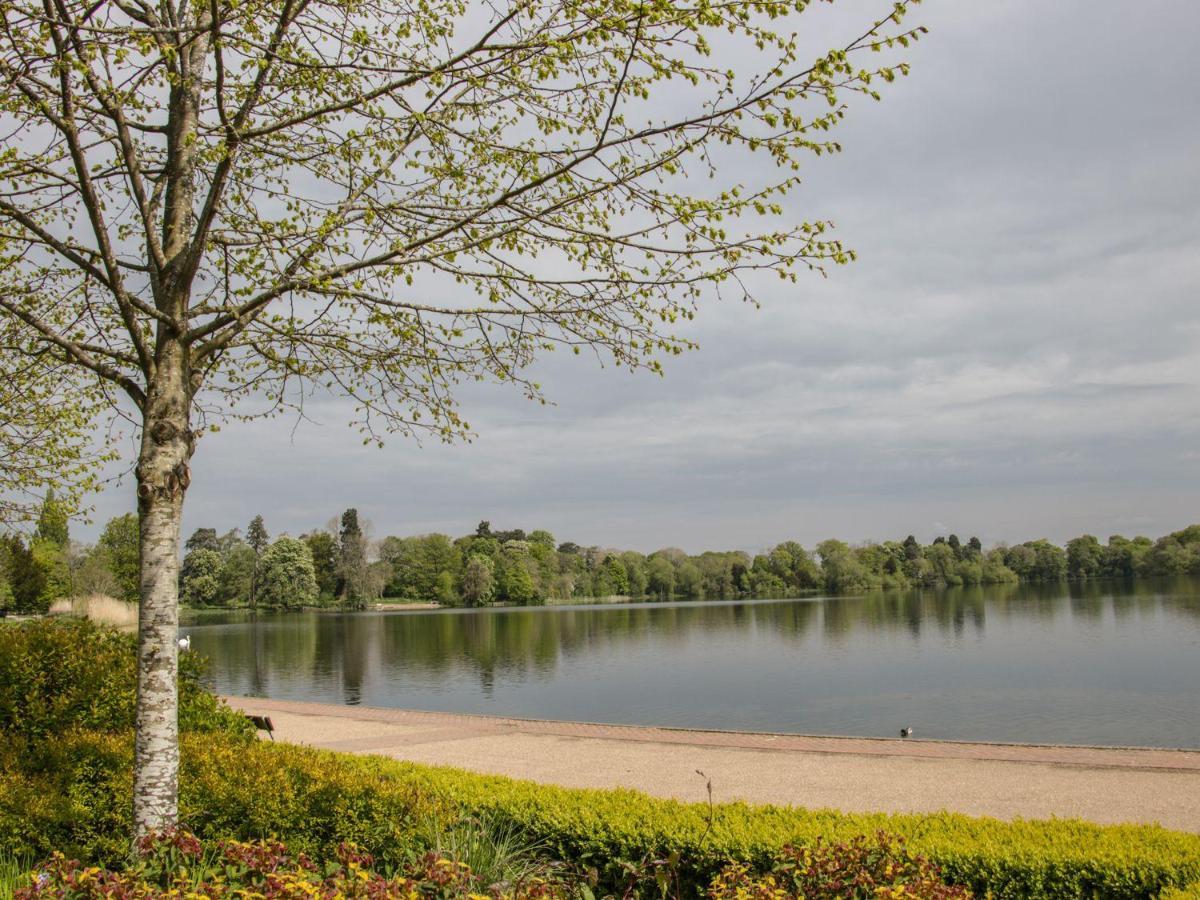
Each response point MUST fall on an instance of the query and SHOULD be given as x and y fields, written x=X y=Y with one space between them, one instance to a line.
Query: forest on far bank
x=340 y=566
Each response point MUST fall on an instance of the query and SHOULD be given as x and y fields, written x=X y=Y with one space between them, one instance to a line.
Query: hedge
x=1055 y=858
x=73 y=795
x=57 y=674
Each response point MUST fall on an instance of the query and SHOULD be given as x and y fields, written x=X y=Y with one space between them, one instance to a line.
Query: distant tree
x=52 y=520
x=26 y=579
x=568 y=547
x=660 y=577
x=121 y=543
x=912 y=549
x=541 y=536
x=1084 y=557
x=237 y=574
x=203 y=539
x=483 y=529
x=91 y=572
x=324 y=549
x=975 y=546
x=257 y=538
x=955 y=545
x=286 y=575
x=353 y=590
x=200 y=580
x=478 y=581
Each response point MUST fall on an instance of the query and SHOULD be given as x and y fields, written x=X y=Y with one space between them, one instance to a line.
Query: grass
x=496 y=851
x=13 y=872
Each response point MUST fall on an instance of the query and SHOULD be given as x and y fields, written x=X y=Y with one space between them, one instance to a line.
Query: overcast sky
x=1015 y=355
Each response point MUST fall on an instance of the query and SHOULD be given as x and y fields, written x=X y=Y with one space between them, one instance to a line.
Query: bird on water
x=905 y=732
x=185 y=642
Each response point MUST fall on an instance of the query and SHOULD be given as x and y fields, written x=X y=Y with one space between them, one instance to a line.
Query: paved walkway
x=858 y=774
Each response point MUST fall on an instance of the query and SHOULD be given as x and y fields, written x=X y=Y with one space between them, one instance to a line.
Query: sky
x=1015 y=355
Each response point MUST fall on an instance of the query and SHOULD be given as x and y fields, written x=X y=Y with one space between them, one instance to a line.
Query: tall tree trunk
x=163 y=477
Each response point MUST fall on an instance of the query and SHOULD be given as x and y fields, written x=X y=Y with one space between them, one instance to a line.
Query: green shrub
x=58 y=674
x=1055 y=858
x=864 y=867
x=74 y=795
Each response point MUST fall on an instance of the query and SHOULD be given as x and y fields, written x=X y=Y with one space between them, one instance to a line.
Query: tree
x=238 y=570
x=26 y=579
x=120 y=541
x=1084 y=555
x=324 y=549
x=257 y=538
x=352 y=590
x=52 y=520
x=200 y=582
x=231 y=202
x=478 y=582
x=287 y=577
x=203 y=539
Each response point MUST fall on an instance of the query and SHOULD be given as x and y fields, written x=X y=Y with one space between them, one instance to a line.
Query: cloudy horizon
x=1015 y=355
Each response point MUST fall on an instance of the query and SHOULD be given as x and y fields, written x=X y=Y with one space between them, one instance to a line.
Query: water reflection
x=1089 y=663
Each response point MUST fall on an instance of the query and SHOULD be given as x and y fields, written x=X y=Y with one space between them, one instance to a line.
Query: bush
x=862 y=868
x=74 y=795
x=1055 y=858
x=58 y=674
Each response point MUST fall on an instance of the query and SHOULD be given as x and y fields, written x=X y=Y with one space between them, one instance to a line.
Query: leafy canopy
x=386 y=197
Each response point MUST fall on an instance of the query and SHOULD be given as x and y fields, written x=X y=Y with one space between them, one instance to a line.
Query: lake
x=1099 y=663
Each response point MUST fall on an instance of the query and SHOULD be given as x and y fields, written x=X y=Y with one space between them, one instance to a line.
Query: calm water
x=1095 y=664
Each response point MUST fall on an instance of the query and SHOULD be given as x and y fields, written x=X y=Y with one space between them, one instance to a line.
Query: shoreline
x=1008 y=781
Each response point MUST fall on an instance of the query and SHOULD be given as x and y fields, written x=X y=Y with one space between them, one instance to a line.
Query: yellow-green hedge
x=72 y=794
x=1057 y=858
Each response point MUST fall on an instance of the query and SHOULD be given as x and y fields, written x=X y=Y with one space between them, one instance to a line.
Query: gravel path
x=855 y=774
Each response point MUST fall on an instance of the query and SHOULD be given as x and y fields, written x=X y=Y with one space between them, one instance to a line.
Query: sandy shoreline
x=854 y=774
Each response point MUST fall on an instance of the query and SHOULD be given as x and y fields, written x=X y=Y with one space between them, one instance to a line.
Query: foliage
x=48 y=411
x=861 y=868
x=59 y=674
x=52 y=520
x=324 y=549
x=200 y=577
x=478 y=581
x=72 y=794
x=353 y=590
x=286 y=578
x=176 y=863
x=121 y=543
x=26 y=580
x=495 y=851
x=1021 y=859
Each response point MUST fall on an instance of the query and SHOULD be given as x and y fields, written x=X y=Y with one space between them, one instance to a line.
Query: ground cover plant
x=178 y=864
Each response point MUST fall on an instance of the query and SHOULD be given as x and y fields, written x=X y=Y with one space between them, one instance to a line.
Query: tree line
x=339 y=566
